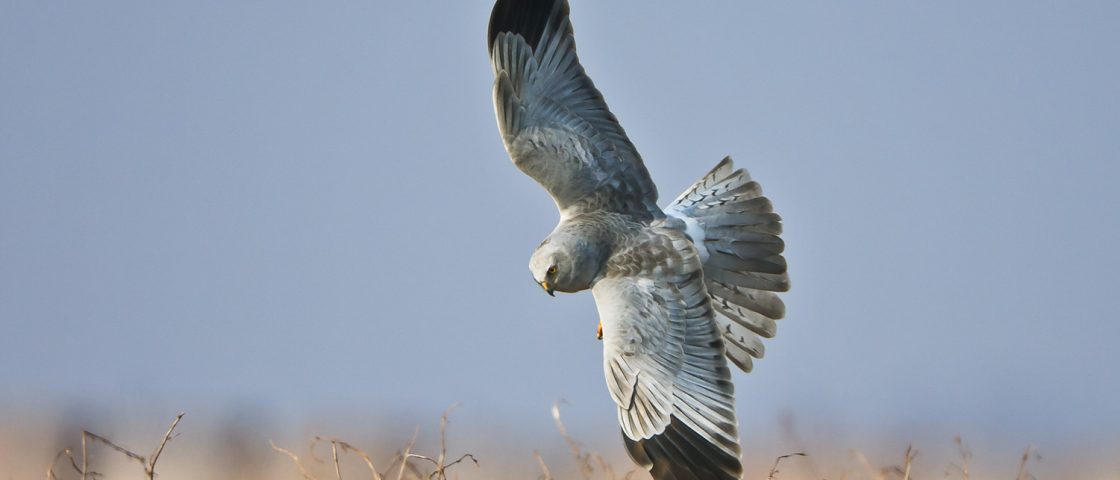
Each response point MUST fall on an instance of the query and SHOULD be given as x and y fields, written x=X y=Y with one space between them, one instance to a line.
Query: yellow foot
x=599 y=332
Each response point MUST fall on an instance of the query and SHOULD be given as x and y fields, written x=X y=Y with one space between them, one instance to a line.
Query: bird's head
x=564 y=264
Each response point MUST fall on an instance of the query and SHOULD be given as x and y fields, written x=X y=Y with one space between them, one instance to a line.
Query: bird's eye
x=552 y=270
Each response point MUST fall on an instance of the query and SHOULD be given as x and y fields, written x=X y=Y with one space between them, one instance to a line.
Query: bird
x=680 y=290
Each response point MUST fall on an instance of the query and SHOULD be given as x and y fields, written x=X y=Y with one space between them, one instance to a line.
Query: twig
x=85 y=457
x=150 y=469
x=50 y=468
x=1030 y=452
x=544 y=468
x=347 y=447
x=118 y=448
x=334 y=456
x=788 y=423
x=441 y=469
x=413 y=472
x=443 y=441
x=439 y=462
x=73 y=463
x=148 y=463
x=407 y=452
x=966 y=455
x=606 y=467
x=295 y=459
x=582 y=460
x=774 y=469
x=910 y=454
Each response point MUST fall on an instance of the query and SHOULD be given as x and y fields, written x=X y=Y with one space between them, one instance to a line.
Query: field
x=34 y=446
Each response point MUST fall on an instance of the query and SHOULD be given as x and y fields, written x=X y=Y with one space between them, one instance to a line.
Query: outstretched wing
x=664 y=362
x=555 y=124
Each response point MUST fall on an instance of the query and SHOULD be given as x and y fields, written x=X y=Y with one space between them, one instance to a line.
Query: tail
x=737 y=233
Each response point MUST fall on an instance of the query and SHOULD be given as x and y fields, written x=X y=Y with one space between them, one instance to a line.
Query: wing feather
x=664 y=361
x=554 y=122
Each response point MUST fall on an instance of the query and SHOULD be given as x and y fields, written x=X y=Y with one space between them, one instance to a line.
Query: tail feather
x=734 y=260
x=766 y=306
x=731 y=193
x=746 y=244
x=759 y=281
x=754 y=204
x=717 y=174
x=742 y=256
x=755 y=222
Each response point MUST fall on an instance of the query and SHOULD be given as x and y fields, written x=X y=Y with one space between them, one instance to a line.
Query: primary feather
x=554 y=122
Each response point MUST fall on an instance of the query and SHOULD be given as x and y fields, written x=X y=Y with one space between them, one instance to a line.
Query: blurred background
x=290 y=219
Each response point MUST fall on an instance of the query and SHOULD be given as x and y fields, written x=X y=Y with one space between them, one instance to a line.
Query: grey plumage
x=744 y=266
x=549 y=109
x=679 y=291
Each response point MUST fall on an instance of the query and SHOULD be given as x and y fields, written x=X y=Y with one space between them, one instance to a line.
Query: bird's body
x=679 y=291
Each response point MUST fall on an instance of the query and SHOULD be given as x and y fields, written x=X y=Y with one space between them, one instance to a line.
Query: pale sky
x=306 y=205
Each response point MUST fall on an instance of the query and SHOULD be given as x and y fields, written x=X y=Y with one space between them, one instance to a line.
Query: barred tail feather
x=739 y=241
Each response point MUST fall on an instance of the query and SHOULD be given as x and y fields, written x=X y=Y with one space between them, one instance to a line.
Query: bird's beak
x=547 y=288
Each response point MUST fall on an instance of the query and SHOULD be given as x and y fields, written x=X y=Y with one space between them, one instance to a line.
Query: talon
x=599 y=331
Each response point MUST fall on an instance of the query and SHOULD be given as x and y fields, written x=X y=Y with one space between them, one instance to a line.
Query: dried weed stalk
x=966 y=456
x=148 y=462
x=583 y=460
x=546 y=473
x=774 y=469
x=1030 y=453
x=909 y=460
x=404 y=469
x=440 y=472
x=345 y=447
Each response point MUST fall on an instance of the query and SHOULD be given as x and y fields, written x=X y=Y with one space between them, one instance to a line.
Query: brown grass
x=84 y=470
x=328 y=458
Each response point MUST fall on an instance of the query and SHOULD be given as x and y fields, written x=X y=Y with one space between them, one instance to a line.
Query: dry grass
x=777 y=461
x=438 y=466
x=327 y=458
x=84 y=469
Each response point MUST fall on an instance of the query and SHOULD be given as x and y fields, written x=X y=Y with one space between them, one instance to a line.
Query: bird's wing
x=664 y=362
x=554 y=122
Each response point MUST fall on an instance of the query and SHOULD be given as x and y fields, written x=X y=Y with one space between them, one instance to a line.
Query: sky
x=305 y=206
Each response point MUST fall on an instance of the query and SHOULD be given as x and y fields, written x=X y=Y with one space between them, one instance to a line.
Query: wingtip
x=679 y=453
x=528 y=18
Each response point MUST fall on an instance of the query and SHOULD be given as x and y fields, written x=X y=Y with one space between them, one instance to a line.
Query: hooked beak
x=547 y=288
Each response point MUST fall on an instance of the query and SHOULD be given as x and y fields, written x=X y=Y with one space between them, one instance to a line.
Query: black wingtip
x=681 y=454
x=527 y=18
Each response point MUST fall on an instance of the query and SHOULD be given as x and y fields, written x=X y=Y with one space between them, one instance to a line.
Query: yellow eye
x=552 y=270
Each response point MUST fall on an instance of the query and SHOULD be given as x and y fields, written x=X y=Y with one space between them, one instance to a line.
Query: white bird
x=680 y=290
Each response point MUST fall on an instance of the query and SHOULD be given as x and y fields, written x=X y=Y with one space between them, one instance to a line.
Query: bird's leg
x=599 y=332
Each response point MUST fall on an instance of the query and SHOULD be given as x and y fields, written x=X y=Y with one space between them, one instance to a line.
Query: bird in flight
x=680 y=290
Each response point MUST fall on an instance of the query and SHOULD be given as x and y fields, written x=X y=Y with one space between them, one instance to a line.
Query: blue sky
x=304 y=206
